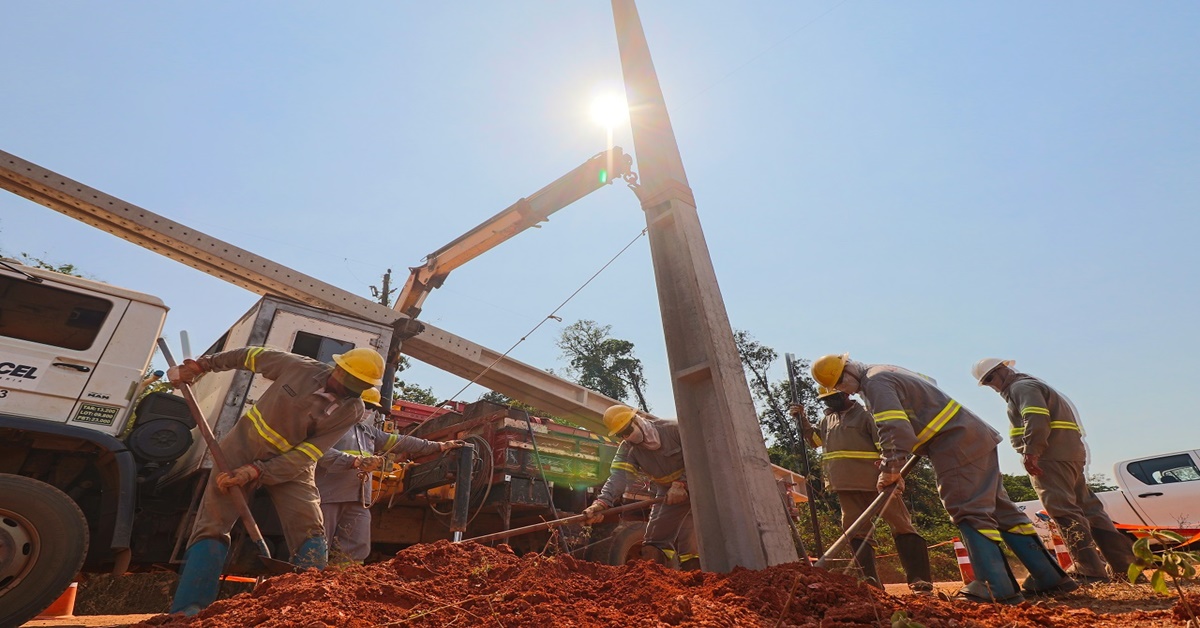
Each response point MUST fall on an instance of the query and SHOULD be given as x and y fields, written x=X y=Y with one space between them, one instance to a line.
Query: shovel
x=868 y=515
x=239 y=498
x=546 y=525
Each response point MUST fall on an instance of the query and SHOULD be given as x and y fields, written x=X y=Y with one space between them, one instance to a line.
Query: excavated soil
x=444 y=584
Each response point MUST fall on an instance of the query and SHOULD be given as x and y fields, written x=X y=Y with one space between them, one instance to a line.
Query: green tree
x=602 y=363
x=37 y=262
x=1019 y=488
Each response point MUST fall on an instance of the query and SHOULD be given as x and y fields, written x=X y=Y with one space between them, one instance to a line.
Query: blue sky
x=922 y=184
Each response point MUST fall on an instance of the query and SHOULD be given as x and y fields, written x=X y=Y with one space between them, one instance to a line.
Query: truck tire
x=43 y=542
x=626 y=542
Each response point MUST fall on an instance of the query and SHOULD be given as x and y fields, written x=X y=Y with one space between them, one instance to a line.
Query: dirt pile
x=471 y=585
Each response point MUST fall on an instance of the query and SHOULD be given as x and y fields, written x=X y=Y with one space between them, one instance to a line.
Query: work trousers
x=348 y=529
x=1081 y=519
x=974 y=495
x=670 y=529
x=297 y=503
x=855 y=503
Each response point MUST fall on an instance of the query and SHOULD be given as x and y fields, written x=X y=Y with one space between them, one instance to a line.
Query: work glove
x=367 y=464
x=677 y=494
x=1031 y=464
x=594 y=513
x=888 y=478
x=240 y=476
x=185 y=373
x=452 y=444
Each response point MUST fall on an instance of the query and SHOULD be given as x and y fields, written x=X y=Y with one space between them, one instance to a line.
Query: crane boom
x=436 y=347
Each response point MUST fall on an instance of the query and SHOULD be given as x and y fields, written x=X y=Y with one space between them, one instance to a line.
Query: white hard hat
x=987 y=365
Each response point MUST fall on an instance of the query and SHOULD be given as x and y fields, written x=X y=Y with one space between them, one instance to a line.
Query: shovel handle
x=864 y=519
x=238 y=497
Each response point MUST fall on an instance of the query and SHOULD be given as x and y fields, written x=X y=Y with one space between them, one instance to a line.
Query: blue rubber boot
x=994 y=581
x=312 y=554
x=1045 y=576
x=200 y=579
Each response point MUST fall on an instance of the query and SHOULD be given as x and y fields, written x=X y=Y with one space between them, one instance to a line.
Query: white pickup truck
x=1155 y=491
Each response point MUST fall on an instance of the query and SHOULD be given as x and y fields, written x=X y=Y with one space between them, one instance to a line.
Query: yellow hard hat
x=823 y=392
x=617 y=417
x=372 y=396
x=827 y=369
x=362 y=364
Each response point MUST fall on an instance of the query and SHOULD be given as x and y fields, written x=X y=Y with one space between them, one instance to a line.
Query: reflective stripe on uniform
x=1016 y=431
x=355 y=453
x=1034 y=410
x=891 y=415
x=276 y=440
x=264 y=430
x=1024 y=528
x=938 y=422
x=670 y=477
x=1063 y=425
x=310 y=450
x=624 y=466
x=683 y=558
x=993 y=535
x=858 y=455
x=252 y=358
x=391 y=441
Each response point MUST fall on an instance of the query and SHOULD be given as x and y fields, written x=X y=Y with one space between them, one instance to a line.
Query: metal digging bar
x=546 y=525
x=239 y=498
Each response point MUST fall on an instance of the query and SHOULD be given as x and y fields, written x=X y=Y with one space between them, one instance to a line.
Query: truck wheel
x=43 y=541
x=626 y=543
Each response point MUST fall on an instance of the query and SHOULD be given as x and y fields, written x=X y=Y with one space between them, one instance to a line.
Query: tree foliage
x=602 y=363
x=1019 y=488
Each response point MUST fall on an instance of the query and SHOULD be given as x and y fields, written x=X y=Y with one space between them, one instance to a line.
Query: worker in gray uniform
x=276 y=444
x=848 y=437
x=914 y=417
x=1045 y=431
x=343 y=479
x=653 y=447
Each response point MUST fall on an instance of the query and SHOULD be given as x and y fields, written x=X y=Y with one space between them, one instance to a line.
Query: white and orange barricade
x=964 y=561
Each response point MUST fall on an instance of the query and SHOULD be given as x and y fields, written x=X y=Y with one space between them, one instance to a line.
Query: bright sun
x=609 y=110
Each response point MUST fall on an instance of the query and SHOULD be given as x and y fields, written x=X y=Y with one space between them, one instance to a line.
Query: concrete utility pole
x=735 y=501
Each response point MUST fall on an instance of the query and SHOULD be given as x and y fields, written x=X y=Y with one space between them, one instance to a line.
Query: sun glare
x=609 y=111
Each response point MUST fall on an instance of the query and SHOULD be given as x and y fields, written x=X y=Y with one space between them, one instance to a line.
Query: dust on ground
x=444 y=584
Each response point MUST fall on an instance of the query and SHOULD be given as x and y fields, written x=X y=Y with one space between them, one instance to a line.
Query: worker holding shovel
x=848 y=435
x=914 y=416
x=276 y=444
x=653 y=447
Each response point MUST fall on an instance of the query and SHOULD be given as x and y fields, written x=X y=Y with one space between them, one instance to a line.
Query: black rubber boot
x=914 y=557
x=865 y=557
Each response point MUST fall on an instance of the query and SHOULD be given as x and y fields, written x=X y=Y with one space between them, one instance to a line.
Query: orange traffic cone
x=1060 y=548
x=964 y=562
x=64 y=606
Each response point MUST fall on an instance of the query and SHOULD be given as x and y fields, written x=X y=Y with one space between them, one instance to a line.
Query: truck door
x=1164 y=489
x=51 y=339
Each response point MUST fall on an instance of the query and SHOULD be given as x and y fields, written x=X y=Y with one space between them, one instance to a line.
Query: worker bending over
x=276 y=444
x=651 y=446
x=915 y=417
x=850 y=464
x=343 y=479
x=1045 y=431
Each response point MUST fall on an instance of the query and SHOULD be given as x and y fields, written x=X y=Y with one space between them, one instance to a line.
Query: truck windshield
x=1165 y=470
x=50 y=316
x=319 y=348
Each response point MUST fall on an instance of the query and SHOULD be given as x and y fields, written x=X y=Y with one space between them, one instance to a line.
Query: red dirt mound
x=472 y=585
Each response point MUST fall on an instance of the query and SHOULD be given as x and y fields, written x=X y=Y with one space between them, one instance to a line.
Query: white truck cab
x=73 y=350
x=1155 y=491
